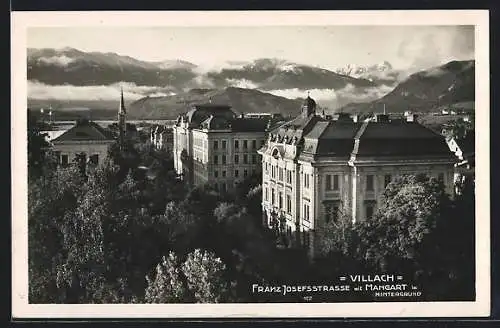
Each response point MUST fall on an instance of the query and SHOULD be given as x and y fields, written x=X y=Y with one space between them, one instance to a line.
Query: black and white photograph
x=285 y=164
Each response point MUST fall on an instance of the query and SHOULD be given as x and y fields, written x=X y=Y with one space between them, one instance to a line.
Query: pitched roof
x=85 y=130
x=409 y=139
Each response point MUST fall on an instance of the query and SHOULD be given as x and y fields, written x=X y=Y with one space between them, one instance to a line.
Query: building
x=89 y=139
x=315 y=168
x=85 y=137
x=213 y=145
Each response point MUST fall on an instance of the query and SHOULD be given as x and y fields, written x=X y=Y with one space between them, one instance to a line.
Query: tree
x=50 y=198
x=166 y=286
x=37 y=148
x=410 y=210
x=205 y=276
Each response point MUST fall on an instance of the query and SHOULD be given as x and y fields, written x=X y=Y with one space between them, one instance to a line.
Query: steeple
x=309 y=106
x=122 y=126
x=122 y=110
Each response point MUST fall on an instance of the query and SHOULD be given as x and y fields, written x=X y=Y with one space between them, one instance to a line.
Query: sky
x=330 y=47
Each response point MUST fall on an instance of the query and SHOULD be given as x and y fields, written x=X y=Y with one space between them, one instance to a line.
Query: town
x=310 y=185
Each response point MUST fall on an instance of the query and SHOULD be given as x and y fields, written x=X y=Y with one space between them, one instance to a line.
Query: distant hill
x=79 y=68
x=242 y=101
x=427 y=90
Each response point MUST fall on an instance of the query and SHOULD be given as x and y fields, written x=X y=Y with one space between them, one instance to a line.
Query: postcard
x=250 y=164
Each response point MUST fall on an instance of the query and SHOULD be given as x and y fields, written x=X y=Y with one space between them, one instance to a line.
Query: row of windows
x=237 y=143
x=236 y=173
x=280 y=200
x=64 y=158
x=279 y=172
x=236 y=159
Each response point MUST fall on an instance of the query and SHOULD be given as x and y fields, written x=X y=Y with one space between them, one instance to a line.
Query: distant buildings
x=213 y=145
x=315 y=168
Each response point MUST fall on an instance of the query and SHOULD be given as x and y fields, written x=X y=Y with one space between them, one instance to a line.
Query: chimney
x=354 y=118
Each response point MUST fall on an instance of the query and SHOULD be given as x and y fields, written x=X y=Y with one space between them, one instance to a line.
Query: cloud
x=241 y=83
x=337 y=97
x=62 y=61
x=436 y=46
x=41 y=91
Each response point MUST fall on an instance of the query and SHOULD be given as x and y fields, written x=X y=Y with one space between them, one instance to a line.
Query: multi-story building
x=315 y=168
x=214 y=145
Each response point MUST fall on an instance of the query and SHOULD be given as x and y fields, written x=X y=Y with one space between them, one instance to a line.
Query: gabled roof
x=85 y=130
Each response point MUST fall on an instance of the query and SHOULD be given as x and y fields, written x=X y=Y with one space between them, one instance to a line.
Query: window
x=272 y=196
x=280 y=177
x=280 y=200
x=335 y=182
x=64 y=159
x=254 y=159
x=236 y=173
x=245 y=144
x=306 y=212
x=216 y=173
x=223 y=159
x=306 y=180
x=387 y=180
x=328 y=182
x=223 y=187
x=266 y=196
x=288 y=204
x=254 y=144
x=236 y=144
x=216 y=144
x=369 y=182
x=236 y=159
x=441 y=177
x=223 y=174
x=224 y=144
x=245 y=159
x=216 y=159
x=245 y=173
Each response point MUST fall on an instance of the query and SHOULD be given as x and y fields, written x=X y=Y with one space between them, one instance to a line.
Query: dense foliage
x=130 y=231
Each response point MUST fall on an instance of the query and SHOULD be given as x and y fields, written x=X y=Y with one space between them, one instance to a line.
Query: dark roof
x=250 y=124
x=216 y=123
x=331 y=138
x=85 y=130
x=409 y=139
x=201 y=112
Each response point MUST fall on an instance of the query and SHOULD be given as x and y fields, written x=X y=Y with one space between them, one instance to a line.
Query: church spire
x=122 y=125
x=122 y=109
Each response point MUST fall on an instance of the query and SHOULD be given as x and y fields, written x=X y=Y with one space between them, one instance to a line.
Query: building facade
x=213 y=145
x=315 y=168
x=85 y=137
x=89 y=139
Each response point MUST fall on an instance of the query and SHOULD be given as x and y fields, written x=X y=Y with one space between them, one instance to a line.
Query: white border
x=20 y=21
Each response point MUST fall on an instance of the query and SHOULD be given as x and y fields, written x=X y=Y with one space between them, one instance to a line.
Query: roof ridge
x=357 y=138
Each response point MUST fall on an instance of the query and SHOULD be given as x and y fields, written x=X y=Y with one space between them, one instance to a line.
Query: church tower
x=122 y=125
x=309 y=107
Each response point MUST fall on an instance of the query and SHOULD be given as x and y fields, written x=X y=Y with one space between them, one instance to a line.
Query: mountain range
x=79 y=68
x=163 y=89
x=427 y=90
